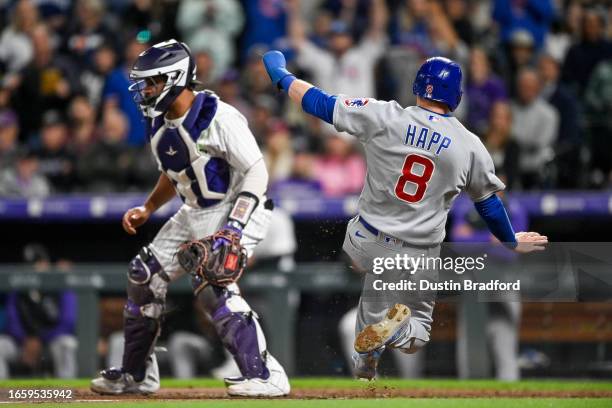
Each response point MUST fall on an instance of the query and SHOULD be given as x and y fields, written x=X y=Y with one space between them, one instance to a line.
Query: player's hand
x=530 y=242
x=224 y=236
x=31 y=351
x=275 y=64
x=134 y=218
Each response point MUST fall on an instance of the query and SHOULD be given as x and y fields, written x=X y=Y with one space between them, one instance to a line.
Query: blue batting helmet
x=170 y=63
x=439 y=79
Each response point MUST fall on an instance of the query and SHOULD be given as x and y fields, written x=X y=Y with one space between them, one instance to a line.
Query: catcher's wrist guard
x=243 y=208
x=218 y=265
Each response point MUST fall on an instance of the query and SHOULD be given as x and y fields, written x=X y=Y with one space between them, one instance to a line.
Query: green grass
x=358 y=403
x=346 y=383
x=301 y=383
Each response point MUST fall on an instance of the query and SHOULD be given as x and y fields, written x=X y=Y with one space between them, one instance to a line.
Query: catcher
x=209 y=157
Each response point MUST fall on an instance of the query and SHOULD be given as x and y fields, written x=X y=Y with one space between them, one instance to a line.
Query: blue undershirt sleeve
x=319 y=104
x=494 y=214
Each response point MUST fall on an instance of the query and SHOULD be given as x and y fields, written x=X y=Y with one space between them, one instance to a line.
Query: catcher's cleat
x=233 y=380
x=276 y=385
x=113 y=381
x=366 y=363
x=385 y=332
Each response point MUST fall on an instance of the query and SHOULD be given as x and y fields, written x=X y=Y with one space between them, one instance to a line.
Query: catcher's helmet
x=439 y=79
x=170 y=63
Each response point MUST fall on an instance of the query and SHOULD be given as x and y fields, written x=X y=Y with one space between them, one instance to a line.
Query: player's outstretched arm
x=494 y=214
x=311 y=99
x=137 y=216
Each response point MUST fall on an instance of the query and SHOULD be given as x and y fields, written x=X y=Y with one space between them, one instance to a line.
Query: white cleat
x=113 y=381
x=277 y=385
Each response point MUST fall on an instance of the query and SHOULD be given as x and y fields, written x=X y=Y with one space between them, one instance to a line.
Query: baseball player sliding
x=419 y=159
x=208 y=156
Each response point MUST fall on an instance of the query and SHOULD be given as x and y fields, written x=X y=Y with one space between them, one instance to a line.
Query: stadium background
x=73 y=153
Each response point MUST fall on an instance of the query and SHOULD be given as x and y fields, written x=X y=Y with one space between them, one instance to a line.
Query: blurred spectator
x=278 y=152
x=82 y=119
x=420 y=29
x=56 y=161
x=339 y=170
x=229 y=91
x=278 y=247
x=255 y=80
x=345 y=67
x=15 y=44
x=535 y=16
x=106 y=165
x=458 y=11
x=46 y=83
x=88 y=31
x=534 y=127
x=210 y=26
x=115 y=94
x=38 y=323
x=321 y=28
x=23 y=179
x=353 y=13
x=569 y=138
x=409 y=26
x=445 y=40
x=559 y=39
x=262 y=116
x=93 y=78
x=598 y=108
x=483 y=89
x=139 y=17
x=206 y=70
x=521 y=55
x=266 y=22
x=9 y=129
x=498 y=140
x=583 y=57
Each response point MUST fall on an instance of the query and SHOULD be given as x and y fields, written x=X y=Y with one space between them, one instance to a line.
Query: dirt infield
x=347 y=393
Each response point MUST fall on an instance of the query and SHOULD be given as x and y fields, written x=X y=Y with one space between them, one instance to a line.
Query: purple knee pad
x=238 y=333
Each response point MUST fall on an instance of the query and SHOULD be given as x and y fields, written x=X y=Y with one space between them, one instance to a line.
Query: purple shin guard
x=238 y=332
x=139 y=334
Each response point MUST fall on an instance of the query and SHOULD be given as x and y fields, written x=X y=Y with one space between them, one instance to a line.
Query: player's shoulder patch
x=356 y=102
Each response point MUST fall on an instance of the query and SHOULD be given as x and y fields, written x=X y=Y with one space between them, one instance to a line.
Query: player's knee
x=413 y=345
x=143 y=266
x=147 y=286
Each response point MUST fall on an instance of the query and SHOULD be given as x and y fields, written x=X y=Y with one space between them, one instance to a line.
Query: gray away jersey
x=418 y=162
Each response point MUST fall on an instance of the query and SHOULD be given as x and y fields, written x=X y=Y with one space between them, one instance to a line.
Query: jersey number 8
x=419 y=180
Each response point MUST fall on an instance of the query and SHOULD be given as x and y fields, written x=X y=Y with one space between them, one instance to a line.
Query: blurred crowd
x=537 y=84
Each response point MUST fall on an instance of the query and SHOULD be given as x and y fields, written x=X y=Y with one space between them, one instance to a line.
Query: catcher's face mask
x=146 y=91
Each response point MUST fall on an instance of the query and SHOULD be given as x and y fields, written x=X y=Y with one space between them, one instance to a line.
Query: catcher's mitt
x=221 y=266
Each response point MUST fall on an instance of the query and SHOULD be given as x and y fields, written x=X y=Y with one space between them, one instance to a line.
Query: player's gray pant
x=187 y=350
x=364 y=247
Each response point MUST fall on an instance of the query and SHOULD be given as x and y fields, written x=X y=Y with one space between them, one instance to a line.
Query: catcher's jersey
x=206 y=151
x=418 y=161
